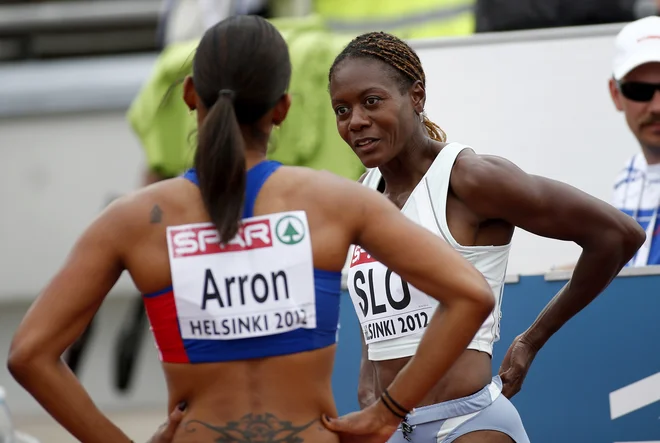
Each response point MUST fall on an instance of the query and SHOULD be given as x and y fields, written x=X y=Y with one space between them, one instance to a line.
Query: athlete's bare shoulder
x=172 y=199
x=161 y=203
x=474 y=173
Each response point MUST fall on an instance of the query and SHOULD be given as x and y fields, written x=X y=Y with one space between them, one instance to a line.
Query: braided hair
x=397 y=54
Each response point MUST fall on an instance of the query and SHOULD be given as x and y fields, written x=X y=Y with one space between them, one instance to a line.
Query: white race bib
x=260 y=283
x=387 y=306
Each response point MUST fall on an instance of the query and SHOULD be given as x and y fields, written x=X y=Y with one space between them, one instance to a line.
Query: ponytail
x=434 y=130
x=240 y=72
x=220 y=165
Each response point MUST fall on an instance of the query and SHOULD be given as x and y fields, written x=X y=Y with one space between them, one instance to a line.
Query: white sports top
x=393 y=314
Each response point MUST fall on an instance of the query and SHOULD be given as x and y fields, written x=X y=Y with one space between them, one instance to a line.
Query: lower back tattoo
x=253 y=428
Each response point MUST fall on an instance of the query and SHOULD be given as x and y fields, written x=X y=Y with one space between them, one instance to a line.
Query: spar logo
x=191 y=240
x=290 y=230
x=360 y=256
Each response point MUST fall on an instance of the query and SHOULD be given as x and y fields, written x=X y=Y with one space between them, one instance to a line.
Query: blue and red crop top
x=180 y=340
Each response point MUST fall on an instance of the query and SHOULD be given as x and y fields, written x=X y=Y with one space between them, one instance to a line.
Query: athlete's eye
x=372 y=100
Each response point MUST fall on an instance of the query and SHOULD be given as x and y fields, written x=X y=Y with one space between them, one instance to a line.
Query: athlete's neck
x=253 y=158
x=256 y=144
x=404 y=171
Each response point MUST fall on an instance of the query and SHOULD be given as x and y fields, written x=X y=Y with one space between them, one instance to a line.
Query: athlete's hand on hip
x=515 y=365
x=373 y=424
x=166 y=431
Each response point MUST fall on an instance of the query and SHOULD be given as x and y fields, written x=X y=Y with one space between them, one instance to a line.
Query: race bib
x=387 y=306
x=260 y=283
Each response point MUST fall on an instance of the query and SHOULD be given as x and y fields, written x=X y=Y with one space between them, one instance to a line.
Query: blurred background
x=90 y=109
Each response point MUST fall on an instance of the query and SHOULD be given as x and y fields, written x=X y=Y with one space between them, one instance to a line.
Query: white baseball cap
x=638 y=43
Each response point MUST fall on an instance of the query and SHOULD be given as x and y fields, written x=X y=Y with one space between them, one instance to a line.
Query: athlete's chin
x=372 y=159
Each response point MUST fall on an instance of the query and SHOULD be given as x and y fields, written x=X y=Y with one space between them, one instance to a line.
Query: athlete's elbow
x=627 y=238
x=18 y=364
x=481 y=297
x=23 y=360
x=620 y=238
x=633 y=237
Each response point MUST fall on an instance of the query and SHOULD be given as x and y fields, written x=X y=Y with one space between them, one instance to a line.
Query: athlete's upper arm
x=495 y=188
x=70 y=300
x=423 y=259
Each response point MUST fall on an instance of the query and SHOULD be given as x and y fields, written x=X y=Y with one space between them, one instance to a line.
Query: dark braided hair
x=398 y=55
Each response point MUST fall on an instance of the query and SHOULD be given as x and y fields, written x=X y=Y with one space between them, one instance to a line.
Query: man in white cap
x=635 y=89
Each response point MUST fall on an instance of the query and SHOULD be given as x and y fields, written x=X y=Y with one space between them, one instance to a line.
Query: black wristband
x=391 y=409
x=397 y=405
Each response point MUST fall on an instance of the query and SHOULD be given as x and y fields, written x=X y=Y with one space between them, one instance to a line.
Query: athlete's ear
x=418 y=97
x=281 y=109
x=189 y=93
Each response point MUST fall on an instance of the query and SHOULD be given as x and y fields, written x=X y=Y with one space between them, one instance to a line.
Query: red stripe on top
x=161 y=310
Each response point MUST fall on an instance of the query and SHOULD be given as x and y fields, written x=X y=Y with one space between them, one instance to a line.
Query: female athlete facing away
x=472 y=203
x=239 y=262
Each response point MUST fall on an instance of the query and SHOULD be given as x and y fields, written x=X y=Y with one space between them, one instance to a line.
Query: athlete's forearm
x=594 y=271
x=366 y=381
x=58 y=391
x=447 y=336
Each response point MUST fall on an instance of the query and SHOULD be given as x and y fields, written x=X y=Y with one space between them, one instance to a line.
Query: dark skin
x=282 y=399
x=488 y=197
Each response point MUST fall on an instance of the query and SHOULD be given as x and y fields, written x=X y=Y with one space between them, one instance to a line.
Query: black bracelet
x=382 y=398
x=389 y=397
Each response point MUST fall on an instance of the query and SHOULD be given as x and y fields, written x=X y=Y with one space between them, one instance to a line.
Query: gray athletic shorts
x=486 y=410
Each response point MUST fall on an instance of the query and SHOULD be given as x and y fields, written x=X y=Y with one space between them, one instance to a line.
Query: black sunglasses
x=638 y=91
